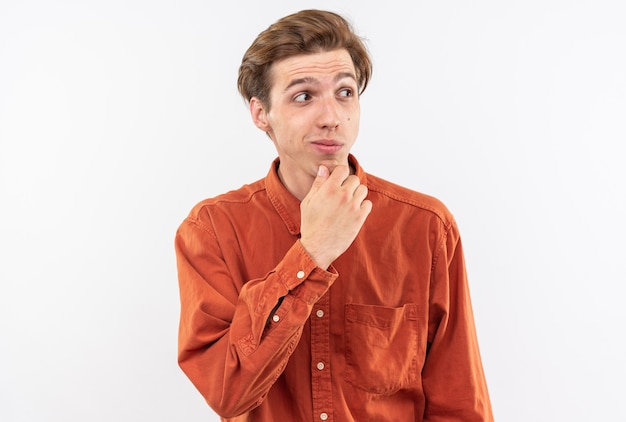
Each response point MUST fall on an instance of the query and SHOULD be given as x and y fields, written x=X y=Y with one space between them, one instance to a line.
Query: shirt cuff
x=298 y=267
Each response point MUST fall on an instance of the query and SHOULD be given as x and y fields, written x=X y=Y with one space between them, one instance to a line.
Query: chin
x=331 y=163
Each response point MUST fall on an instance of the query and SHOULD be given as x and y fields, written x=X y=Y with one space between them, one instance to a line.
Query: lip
x=326 y=146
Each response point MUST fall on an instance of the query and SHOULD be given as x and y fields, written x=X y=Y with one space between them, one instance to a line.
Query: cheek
x=353 y=125
x=354 y=119
x=355 y=114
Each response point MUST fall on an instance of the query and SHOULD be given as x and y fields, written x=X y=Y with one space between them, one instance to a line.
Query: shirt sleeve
x=234 y=341
x=453 y=377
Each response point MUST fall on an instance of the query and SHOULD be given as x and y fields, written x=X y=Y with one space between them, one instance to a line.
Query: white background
x=116 y=117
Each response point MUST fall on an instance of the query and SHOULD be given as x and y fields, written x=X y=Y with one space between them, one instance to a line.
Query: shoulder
x=234 y=198
x=408 y=198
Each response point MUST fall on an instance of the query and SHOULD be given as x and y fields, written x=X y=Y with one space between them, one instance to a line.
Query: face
x=313 y=115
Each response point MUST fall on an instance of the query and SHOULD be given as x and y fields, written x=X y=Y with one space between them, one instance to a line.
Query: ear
x=258 y=113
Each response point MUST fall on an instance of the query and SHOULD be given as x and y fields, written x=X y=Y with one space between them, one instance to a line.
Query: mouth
x=326 y=146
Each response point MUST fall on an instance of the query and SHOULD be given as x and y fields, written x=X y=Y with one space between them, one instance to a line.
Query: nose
x=329 y=117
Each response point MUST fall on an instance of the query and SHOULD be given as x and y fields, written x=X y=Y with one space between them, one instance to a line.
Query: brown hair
x=304 y=32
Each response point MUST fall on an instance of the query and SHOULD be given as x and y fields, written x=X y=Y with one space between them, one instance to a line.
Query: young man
x=321 y=292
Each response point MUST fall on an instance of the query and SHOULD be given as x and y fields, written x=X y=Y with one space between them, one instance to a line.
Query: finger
x=340 y=174
x=360 y=193
x=366 y=207
x=322 y=176
x=351 y=183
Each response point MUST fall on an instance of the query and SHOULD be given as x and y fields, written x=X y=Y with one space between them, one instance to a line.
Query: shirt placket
x=320 y=361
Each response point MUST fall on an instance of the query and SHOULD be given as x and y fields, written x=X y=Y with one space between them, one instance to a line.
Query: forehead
x=316 y=66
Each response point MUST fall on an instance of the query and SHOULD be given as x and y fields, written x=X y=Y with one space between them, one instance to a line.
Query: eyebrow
x=313 y=81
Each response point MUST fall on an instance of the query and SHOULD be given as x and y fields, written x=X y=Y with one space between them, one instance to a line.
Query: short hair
x=304 y=32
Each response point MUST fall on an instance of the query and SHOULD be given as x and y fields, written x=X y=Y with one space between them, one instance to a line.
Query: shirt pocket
x=381 y=347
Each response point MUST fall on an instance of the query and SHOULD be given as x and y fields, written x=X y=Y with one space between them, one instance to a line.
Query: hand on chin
x=331 y=163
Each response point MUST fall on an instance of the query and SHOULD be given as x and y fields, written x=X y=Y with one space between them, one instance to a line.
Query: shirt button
x=300 y=274
x=323 y=416
x=320 y=365
x=275 y=318
x=319 y=313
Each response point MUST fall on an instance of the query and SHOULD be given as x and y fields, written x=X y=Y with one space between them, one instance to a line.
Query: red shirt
x=385 y=334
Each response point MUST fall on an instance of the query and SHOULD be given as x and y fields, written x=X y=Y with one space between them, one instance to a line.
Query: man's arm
x=231 y=346
x=453 y=377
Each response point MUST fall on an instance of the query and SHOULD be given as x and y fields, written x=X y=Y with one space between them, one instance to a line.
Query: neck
x=297 y=186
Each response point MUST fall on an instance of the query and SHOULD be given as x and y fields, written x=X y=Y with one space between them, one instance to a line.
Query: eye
x=346 y=92
x=302 y=97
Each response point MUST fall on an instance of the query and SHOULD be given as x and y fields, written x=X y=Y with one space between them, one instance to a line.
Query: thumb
x=322 y=175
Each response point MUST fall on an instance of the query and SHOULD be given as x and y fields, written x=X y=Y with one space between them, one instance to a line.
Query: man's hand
x=332 y=214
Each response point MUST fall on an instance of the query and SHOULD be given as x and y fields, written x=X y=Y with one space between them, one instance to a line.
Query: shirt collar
x=287 y=205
